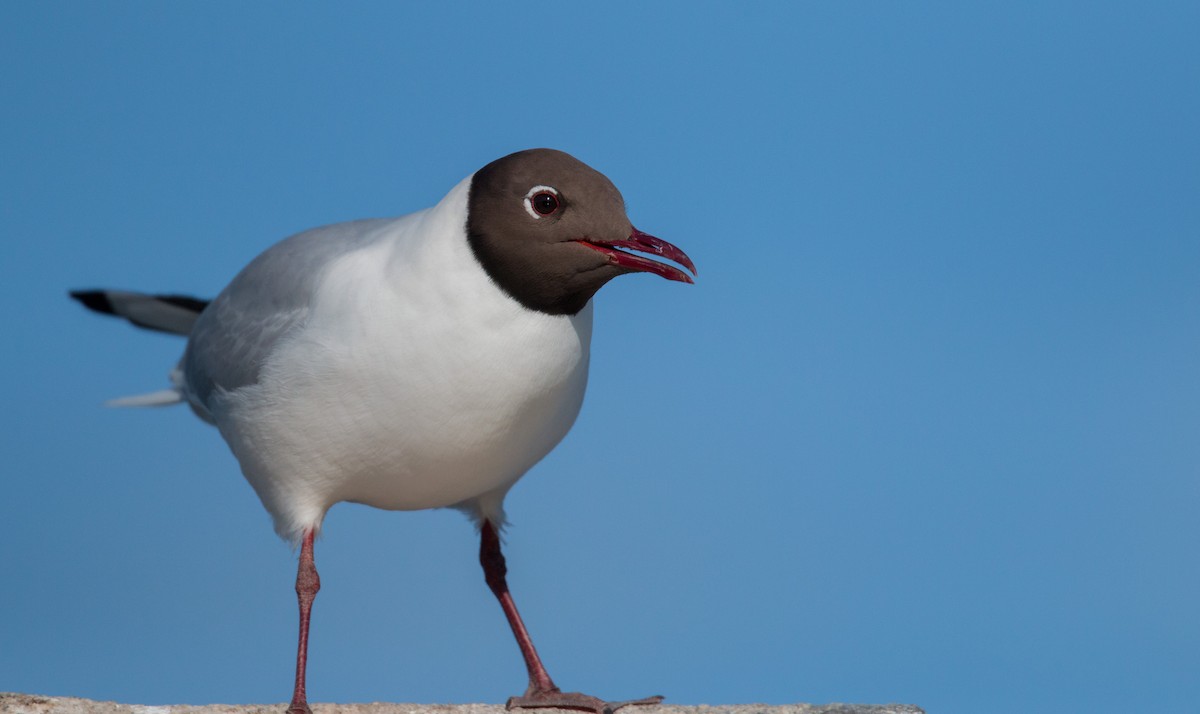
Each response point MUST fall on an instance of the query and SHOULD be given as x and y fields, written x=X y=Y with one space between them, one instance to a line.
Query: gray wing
x=235 y=335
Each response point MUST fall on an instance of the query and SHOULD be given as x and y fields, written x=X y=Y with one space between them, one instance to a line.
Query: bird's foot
x=555 y=699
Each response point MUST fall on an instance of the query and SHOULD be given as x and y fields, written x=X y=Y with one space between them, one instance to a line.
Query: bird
x=420 y=362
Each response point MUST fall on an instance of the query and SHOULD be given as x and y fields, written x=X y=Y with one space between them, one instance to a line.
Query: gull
x=426 y=361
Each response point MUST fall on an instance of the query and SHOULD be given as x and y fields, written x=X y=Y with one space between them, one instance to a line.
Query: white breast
x=416 y=383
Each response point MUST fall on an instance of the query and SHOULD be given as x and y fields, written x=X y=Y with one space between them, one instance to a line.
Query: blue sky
x=926 y=429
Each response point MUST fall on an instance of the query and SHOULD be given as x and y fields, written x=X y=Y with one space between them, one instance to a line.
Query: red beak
x=645 y=243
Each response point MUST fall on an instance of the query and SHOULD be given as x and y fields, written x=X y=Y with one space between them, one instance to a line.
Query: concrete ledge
x=34 y=704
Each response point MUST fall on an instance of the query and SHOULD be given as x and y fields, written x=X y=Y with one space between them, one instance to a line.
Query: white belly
x=405 y=400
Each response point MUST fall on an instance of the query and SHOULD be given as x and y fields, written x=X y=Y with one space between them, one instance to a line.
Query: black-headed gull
x=426 y=361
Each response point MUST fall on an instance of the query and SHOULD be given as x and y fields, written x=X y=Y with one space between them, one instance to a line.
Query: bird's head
x=551 y=231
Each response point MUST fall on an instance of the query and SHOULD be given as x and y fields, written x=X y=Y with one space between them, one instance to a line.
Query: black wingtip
x=96 y=300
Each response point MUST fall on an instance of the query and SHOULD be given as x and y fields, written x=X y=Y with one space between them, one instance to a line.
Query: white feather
x=160 y=398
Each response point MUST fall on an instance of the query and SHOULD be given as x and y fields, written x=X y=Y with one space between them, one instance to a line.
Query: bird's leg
x=495 y=572
x=542 y=692
x=307 y=585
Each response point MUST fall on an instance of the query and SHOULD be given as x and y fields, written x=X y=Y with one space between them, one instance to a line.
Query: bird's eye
x=545 y=203
x=541 y=201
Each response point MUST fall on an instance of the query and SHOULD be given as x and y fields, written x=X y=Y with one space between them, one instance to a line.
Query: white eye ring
x=533 y=192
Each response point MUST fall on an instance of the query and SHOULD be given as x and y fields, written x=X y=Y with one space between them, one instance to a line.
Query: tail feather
x=161 y=398
x=174 y=314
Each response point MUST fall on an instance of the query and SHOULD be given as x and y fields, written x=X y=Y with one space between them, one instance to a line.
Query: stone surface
x=34 y=704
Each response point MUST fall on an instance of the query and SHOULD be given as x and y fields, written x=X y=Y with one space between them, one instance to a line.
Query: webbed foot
x=555 y=699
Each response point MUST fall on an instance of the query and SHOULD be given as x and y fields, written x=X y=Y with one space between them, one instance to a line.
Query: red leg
x=307 y=585
x=542 y=691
